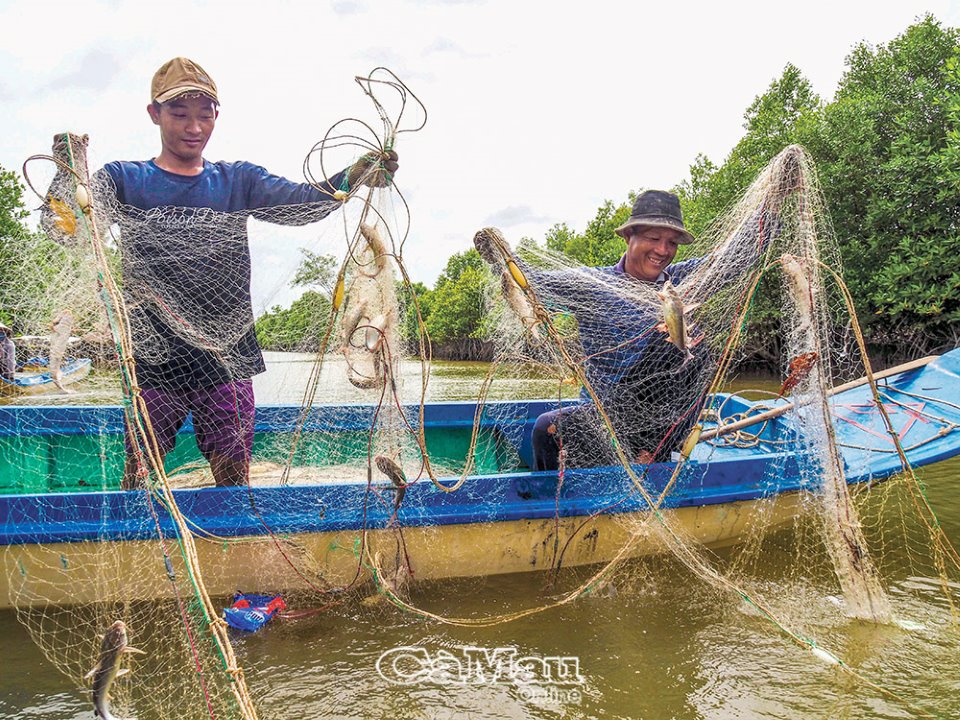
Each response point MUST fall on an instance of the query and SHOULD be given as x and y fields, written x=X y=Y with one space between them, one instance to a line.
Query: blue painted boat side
x=232 y=512
x=108 y=419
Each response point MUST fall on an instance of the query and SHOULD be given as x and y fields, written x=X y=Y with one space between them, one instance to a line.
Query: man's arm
x=269 y=197
x=266 y=193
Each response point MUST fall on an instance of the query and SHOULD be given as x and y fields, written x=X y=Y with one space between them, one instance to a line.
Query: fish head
x=668 y=294
x=792 y=264
x=115 y=637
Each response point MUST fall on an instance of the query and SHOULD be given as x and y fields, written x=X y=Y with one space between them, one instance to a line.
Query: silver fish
x=520 y=305
x=62 y=326
x=363 y=381
x=374 y=335
x=392 y=470
x=112 y=649
x=377 y=247
x=352 y=319
x=674 y=317
x=801 y=291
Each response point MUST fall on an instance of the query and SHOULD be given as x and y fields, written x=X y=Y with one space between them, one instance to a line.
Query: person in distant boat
x=8 y=353
x=648 y=381
x=187 y=270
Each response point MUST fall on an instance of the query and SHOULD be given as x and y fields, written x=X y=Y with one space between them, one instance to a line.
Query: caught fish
x=397 y=581
x=674 y=318
x=801 y=291
x=376 y=245
x=367 y=353
x=112 y=649
x=375 y=334
x=390 y=468
x=520 y=305
x=65 y=221
x=491 y=245
x=351 y=321
x=392 y=582
x=363 y=381
x=799 y=368
x=62 y=326
x=493 y=248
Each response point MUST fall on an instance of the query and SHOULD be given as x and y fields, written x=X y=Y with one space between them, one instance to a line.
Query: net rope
x=165 y=294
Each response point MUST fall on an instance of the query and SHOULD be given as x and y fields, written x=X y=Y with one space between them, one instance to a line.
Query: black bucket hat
x=656 y=208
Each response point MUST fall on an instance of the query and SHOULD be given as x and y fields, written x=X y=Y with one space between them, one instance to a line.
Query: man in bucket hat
x=653 y=232
x=649 y=388
x=186 y=265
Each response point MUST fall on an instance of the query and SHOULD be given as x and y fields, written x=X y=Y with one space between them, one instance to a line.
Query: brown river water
x=657 y=643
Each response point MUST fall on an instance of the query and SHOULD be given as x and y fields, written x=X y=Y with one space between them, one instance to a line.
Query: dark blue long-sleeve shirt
x=616 y=328
x=186 y=263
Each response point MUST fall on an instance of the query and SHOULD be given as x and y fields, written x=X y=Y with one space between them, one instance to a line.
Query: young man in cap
x=187 y=271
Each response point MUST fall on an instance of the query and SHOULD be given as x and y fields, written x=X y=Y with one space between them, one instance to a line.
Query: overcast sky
x=538 y=111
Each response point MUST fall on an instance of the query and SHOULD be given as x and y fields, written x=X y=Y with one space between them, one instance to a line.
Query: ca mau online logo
x=412 y=665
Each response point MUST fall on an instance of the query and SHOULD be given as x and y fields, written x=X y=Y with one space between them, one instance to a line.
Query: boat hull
x=72 y=537
x=70 y=573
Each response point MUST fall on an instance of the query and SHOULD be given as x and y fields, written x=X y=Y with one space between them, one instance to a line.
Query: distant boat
x=35 y=378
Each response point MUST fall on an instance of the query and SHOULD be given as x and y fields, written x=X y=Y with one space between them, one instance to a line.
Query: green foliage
x=12 y=209
x=28 y=263
x=771 y=123
x=12 y=235
x=598 y=244
x=316 y=270
x=299 y=328
x=409 y=330
x=455 y=307
x=887 y=150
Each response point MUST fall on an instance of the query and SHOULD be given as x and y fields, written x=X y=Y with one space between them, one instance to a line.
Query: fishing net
x=348 y=483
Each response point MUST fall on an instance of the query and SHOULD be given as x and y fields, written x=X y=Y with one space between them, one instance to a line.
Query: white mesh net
x=380 y=487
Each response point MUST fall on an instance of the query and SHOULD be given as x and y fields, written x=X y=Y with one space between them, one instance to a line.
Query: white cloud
x=93 y=71
x=514 y=215
x=348 y=7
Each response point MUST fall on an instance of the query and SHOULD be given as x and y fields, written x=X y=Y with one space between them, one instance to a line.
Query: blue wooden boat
x=61 y=506
x=36 y=377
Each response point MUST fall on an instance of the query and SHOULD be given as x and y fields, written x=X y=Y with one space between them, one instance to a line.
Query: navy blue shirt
x=186 y=264
x=615 y=329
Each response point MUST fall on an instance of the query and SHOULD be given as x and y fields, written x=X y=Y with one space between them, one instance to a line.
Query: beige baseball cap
x=181 y=76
